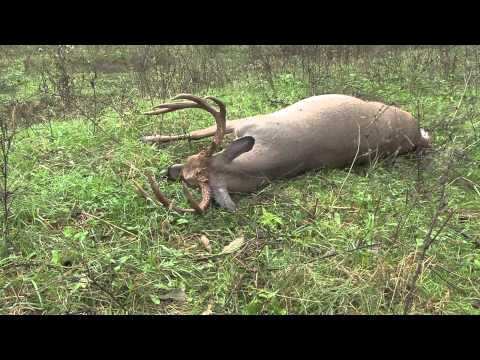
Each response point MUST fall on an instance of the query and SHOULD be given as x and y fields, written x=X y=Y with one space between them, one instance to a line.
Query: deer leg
x=194 y=135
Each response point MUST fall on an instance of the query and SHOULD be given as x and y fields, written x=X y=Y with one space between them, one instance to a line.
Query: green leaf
x=68 y=232
x=175 y=295
x=476 y=263
x=267 y=294
x=155 y=299
x=81 y=236
x=253 y=308
x=182 y=221
x=338 y=220
x=124 y=259
x=270 y=219
x=56 y=257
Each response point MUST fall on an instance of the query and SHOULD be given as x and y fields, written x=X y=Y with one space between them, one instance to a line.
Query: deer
x=323 y=131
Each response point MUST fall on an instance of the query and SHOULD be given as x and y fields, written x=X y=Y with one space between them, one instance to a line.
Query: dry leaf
x=208 y=311
x=206 y=243
x=175 y=295
x=476 y=304
x=235 y=245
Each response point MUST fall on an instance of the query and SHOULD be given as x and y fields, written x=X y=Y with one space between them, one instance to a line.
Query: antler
x=197 y=102
x=160 y=197
x=201 y=178
x=206 y=197
x=169 y=107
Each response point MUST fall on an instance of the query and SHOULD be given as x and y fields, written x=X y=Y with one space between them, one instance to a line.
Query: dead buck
x=326 y=131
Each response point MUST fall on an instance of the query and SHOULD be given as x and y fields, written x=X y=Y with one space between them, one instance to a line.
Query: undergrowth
x=327 y=242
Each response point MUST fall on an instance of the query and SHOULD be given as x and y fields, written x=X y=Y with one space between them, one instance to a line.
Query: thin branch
x=351 y=167
x=411 y=287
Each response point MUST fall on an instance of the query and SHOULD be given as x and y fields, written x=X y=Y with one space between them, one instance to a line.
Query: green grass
x=85 y=242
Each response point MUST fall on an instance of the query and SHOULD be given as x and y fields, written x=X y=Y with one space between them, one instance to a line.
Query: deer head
x=196 y=171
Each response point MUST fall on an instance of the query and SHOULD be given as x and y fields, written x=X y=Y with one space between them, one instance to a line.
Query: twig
x=448 y=122
x=8 y=132
x=463 y=95
x=333 y=253
x=411 y=287
x=448 y=282
x=103 y=289
x=110 y=224
x=349 y=170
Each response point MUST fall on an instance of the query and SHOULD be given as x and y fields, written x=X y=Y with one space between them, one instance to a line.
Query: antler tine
x=220 y=117
x=221 y=104
x=157 y=112
x=169 y=107
x=202 y=103
x=206 y=197
x=221 y=128
x=161 y=197
x=196 y=207
x=178 y=104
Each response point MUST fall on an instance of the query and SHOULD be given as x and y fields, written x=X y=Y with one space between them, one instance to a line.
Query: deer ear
x=173 y=171
x=238 y=147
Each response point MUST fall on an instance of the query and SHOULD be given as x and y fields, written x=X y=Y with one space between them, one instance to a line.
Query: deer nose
x=163 y=173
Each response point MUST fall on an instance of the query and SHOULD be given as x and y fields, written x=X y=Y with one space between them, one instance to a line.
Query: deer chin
x=223 y=199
